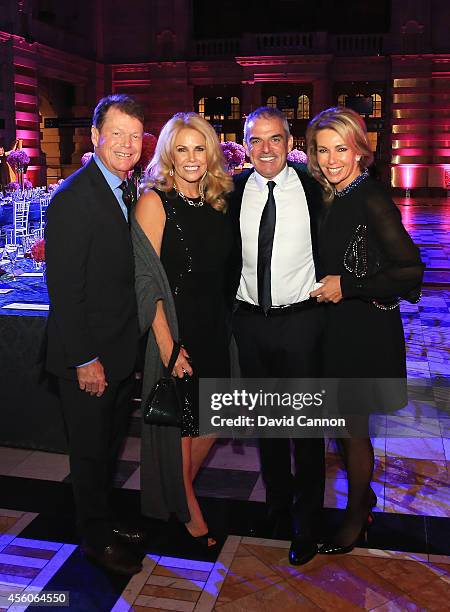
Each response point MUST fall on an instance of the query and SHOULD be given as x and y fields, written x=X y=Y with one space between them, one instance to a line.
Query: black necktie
x=127 y=196
x=265 y=244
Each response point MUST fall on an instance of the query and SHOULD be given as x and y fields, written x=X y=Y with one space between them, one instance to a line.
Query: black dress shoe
x=333 y=548
x=301 y=551
x=113 y=557
x=128 y=534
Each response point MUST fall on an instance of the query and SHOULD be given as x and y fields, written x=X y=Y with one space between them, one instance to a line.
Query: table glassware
x=11 y=251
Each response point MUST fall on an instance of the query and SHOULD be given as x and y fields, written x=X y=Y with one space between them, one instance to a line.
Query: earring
x=358 y=158
x=171 y=172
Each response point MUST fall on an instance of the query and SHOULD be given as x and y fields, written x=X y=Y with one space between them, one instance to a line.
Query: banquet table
x=30 y=409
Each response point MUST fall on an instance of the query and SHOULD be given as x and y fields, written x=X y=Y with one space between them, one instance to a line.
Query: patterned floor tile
x=215 y=482
x=26 y=566
x=429 y=499
x=254 y=575
x=44 y=466
x=131 y=450
x=416 y=471
x=336 y=493
x=12 y=522
x=11 y=458
x=416 y=448
x=235 y=455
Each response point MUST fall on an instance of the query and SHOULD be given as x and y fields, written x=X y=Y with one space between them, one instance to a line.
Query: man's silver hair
x=266 y=112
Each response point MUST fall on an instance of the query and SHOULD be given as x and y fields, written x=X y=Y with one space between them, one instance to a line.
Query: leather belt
x=278 y=310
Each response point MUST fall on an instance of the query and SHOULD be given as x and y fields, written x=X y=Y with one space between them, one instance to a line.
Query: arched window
x=341 y=99
x=235 y=108
x=201 y=107
x=376 y=105
x=303 y=107
x=272 y=101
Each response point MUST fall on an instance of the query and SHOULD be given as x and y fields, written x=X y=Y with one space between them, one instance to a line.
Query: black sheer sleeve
x=401 y=270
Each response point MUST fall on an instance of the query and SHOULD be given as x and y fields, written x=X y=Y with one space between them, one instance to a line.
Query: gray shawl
x=162 y=488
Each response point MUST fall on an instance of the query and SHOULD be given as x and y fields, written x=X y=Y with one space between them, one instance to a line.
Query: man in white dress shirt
x=277 y=326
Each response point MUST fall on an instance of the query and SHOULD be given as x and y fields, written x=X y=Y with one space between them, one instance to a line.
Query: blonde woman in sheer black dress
x=370 y=262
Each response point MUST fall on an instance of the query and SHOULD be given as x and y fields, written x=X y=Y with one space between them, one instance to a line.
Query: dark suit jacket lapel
x=234 y=212
x=105 y=194
x=240 y=180
x=314 y=202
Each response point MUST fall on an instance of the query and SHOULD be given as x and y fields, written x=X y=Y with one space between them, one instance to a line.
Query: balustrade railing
x=300 y=43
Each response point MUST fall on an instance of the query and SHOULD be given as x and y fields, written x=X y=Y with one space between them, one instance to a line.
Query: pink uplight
x=408 y=174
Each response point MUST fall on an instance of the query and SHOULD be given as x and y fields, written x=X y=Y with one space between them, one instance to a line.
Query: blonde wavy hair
x=351 y=128
x=215 y=184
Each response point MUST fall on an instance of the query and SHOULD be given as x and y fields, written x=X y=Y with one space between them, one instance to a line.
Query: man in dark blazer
x=92 y=325
x=277 y=326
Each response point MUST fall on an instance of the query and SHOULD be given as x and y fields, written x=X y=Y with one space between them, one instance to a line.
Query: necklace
x=361 y=177
x=187 y=200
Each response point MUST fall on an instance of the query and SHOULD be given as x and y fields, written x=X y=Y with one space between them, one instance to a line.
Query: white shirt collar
x=280 y=179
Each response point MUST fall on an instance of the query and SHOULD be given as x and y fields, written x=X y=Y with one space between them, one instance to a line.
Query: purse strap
x=174 y=356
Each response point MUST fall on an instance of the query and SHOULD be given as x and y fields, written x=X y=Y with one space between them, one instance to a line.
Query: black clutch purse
x=164 y=405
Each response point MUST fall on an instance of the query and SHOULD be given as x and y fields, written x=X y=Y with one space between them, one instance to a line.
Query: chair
x=19 y=227
x=38 y=233
x=43 y=205
x=21 y=212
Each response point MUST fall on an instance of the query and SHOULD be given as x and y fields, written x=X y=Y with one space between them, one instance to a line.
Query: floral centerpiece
x=16 y=186
x=234 y=154
x=19 y=160
x=297 y=156
x=38 y=251
x=86 y=157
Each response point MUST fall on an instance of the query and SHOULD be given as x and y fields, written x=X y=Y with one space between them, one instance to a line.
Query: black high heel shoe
x=202 y=540
x=373 y=499
x=328 y=548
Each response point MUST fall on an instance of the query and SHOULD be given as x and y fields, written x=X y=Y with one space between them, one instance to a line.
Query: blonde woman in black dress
x=370 y=262
x=182 y=214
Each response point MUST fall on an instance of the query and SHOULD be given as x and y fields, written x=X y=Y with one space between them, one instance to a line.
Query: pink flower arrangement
x=16 y=186
x=148 y=149
x=297 y=156
x=86 y=157
x=18 y=159
x=38 y=250
x=234 y=153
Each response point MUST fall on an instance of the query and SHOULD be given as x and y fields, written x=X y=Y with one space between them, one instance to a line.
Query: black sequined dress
x=195 y=249
x=363 y=340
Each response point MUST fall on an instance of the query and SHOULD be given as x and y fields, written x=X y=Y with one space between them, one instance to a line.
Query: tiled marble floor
x=253 y=574
x=249 y=574
x=38 y=550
